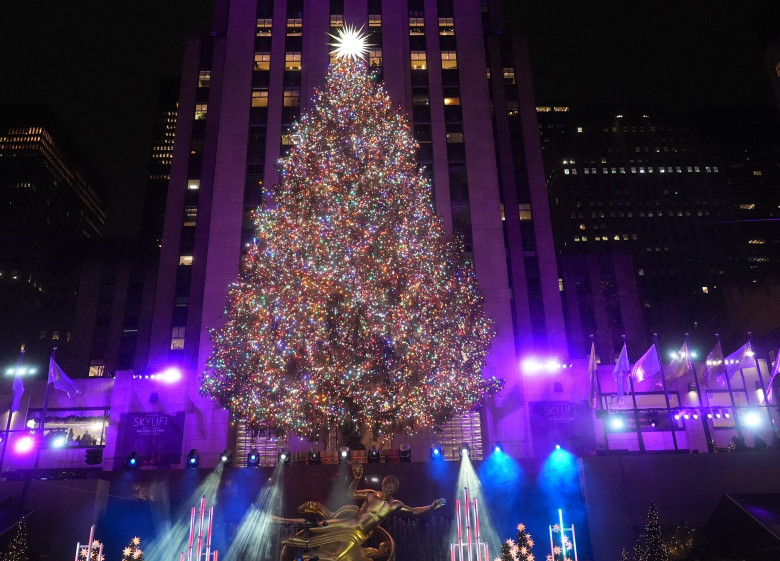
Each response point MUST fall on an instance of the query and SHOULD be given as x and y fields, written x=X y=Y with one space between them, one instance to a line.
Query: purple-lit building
x=466 y=88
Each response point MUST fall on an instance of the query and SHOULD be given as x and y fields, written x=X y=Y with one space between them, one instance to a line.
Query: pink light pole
x=197 y=553
x=472 y=548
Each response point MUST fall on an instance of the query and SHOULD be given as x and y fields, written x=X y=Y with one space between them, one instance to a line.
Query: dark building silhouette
x=52 y=201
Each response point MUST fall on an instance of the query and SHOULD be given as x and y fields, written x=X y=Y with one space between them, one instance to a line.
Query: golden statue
x=342 y=534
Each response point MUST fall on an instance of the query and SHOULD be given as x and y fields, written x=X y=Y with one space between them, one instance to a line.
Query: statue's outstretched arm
x=357 y=474
x=438 y=503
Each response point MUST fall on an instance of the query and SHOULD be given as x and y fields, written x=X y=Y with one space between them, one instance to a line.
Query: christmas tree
x=133 y=551
x=651 y=546
x=19 y=548
x=519 y=549
x=353 y=304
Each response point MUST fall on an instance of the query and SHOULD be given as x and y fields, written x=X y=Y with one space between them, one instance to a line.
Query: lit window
x=262 y=61
x=294 y=26
x=416 y=26
x=582 y=226
x=97 y=369
x=757 y=172
x=292 y=61
x=512 y=108
x=375 y=57
x=543 y=109
x=579 y=129
x=190 y=215
x=185 y=260
x=747 y=206
x=337 y=20
x=418 y=60
x=705 y=289
x=758 y=241
x=560 y=284
x=454 y=137
x=446 y=26
x=374 y=20
x=259 y=98
x=449 y=60
x=264 y=27
x=292 y=97
x=177 y=338
x=193 y=184
x=287 y=139
x=525 y=211
x=201 y=109
x=641 y=272
x=451 y=101
x=566 y=171
x=633 y=170
x=204 y=78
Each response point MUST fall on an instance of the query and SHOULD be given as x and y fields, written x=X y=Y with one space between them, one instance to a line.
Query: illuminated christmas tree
x=19 y=548
x=519 y=549
x=353 y=304
x=133 y=551
x=651 y=546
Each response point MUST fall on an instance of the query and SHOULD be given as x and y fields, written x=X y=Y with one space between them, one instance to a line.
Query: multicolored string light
x=353 y=304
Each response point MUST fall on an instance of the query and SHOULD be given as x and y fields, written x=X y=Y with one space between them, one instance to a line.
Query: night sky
x=99 y=67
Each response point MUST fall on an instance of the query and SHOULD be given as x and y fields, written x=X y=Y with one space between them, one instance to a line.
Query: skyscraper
x=466 y=88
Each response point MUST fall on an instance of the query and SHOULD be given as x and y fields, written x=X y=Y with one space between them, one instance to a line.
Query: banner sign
x=156 y=438
x=561 y=422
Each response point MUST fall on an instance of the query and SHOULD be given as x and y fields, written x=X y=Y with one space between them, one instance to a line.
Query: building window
x=201 y=109
x=292 y=97
x=193 y=184
x=259 y=98
x=374 y=20
x=449 y=60
x=509 y=75
x=454 y=137
x=525 y=211
x=190 y=215
x=446 y=26
x=294 y=26
x=337 y=20
x=185 y=260
x=451 y=101
x=418 y=60
x=416 y=26
x=375 y=57
x=177 y=338
x=263 y=61
x=292 y=61
x=55 y=335
x=264 y=27
x=757 y=172
x=204 y=78
x=97 y=369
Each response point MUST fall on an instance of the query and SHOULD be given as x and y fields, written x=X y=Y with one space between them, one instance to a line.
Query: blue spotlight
x=436 y=452
x=465 y=450
x=132 y=460
x=557 y=446
x=193 y=459
x=253 y=459
x=498 y=448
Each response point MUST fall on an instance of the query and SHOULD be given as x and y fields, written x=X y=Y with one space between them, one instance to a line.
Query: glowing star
x=136 y=540
x=350 y=43
x=530 y=557
x=126 y=551
x=520 y=527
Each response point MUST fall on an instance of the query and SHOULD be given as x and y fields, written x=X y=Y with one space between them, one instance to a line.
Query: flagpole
x=760 y=379
x=731 y=393
x=666 y=393
x=598 y=379
x=636 y=409
x=10 y=413
x=43 y=414
x=704 y=421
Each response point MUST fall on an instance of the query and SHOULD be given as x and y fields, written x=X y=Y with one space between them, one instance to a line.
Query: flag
x=593 y=372
x=680 y=365
x=647 y=367
x=61 y=380
x=714 y=367
x=739 y=359
x=621 y=372
x=768 y=396
x=18 y=390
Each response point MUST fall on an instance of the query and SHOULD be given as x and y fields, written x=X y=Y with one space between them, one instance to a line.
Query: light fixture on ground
x=314 y=456
x=405 y=453
x=344 y=454
x=226 y=458
x=374 y=455
x=132 y=461
x=465 y=450
x=253 y=458
x=436 y=452
x=283 y=456
x=193 y=459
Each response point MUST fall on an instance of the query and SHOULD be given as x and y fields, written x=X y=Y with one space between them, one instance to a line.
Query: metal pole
x=704 y=421
x=563 y=540
x=43 y=414
x=731 y=393
x=761 y=380
x=666 y=393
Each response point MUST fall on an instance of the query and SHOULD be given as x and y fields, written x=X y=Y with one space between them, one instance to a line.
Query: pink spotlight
x=24 y=445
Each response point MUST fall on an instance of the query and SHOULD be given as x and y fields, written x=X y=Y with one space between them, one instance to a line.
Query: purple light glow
x=535 y=365
x=24 y=445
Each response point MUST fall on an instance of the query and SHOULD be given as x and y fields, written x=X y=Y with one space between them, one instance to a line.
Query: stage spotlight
x=283 y=456
x=132 y=461
x=314 y=456
x=373 y=455
x=709 y=414
x=226 y=458
x=677 y=416
x=253 y=458
x=616 y=422
x=193 y=459
x=718 y=414
x=405 y=453
x=498 y=448
x=686 y=415
x=695 y=414
x=752 y=419
x=557 y=446
x=726 y=413
x=465 y=450
x=344 y=454
x=436 y=452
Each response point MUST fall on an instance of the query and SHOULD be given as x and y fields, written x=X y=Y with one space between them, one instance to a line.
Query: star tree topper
x=350 y=43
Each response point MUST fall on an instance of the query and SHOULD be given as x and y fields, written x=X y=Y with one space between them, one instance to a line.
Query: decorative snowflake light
x=350 y=43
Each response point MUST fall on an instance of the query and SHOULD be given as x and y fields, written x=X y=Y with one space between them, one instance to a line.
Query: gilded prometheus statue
x=343 y=532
